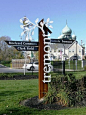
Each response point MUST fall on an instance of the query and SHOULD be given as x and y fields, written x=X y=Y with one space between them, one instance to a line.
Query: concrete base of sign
x=40 y=100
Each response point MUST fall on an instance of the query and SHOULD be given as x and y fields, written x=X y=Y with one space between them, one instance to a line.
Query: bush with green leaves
x=67 y=91
x=85 y=68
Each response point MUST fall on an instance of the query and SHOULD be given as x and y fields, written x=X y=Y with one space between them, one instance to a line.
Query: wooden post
x=43 y=87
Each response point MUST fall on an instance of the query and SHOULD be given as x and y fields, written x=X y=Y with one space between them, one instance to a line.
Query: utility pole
x=76 y=55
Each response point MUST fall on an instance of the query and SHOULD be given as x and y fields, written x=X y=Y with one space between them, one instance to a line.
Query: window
x=36 y=63
x=79 y=50
x=72 y=50
x=58 y=50
x=54 y=57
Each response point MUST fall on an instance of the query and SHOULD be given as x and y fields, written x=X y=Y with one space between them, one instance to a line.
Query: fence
x=57 y=66
x=18 y=63
x=72 y=65
x=84 y=63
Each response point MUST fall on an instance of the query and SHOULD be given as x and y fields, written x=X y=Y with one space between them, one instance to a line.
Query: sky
x=74 y=11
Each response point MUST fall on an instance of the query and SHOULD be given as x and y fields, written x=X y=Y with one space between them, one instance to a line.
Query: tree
x=4 y=47
x=7 y=53
x=36 y=54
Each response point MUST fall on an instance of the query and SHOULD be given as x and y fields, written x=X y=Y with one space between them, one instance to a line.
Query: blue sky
x=74 y=11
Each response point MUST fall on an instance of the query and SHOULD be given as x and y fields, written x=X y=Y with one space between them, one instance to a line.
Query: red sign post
x=43 y=87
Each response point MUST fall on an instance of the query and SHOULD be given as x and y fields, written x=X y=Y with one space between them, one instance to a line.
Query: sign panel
x=62 y=41
x=22 y=43
x=26 y=48
x=43 y=56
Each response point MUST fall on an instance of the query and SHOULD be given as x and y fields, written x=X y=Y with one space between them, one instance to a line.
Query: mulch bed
x=19 y=77
x=35 y=103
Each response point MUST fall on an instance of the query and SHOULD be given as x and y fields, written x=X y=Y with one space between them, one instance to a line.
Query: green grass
x=78 y=74
x=14 y=91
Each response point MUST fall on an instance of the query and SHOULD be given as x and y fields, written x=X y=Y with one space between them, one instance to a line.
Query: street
x=4 y=69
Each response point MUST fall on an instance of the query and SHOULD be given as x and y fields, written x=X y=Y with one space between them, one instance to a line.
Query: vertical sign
x=43 y=87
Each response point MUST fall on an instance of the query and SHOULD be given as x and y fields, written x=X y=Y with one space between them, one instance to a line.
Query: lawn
x=78 y=74
x=14 y=91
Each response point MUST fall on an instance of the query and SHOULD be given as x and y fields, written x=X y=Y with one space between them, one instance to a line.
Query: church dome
x=66 y=30
x=74 y=37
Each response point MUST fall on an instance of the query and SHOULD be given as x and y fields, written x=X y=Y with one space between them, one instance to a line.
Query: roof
x=59 y=45
x=73 y=43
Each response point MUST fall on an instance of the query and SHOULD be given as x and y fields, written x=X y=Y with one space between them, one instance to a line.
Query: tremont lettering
x=47 y=65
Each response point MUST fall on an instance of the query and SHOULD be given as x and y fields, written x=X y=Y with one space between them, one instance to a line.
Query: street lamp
x=76 y=54
x=32 y=57
x=25 y=27
x=64 y=61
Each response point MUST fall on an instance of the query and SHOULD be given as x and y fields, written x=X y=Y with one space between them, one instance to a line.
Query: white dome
x=74 y=37
x=66 y=30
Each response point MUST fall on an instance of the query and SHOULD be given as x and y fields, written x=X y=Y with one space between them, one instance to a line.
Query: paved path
x=9 y=70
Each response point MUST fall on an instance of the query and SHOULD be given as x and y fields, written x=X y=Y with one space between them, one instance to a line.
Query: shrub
x=50 y=96
x=67 y=91
x=6 y=63
x=85 y=68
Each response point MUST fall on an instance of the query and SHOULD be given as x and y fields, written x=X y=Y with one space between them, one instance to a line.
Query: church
x=67 y=51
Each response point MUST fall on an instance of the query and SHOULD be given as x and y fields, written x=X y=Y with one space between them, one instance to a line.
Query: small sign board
x=26 y=48
x=62 y=41
x=22 y=43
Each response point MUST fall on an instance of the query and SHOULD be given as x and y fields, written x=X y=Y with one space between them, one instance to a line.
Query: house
x=70 y=51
